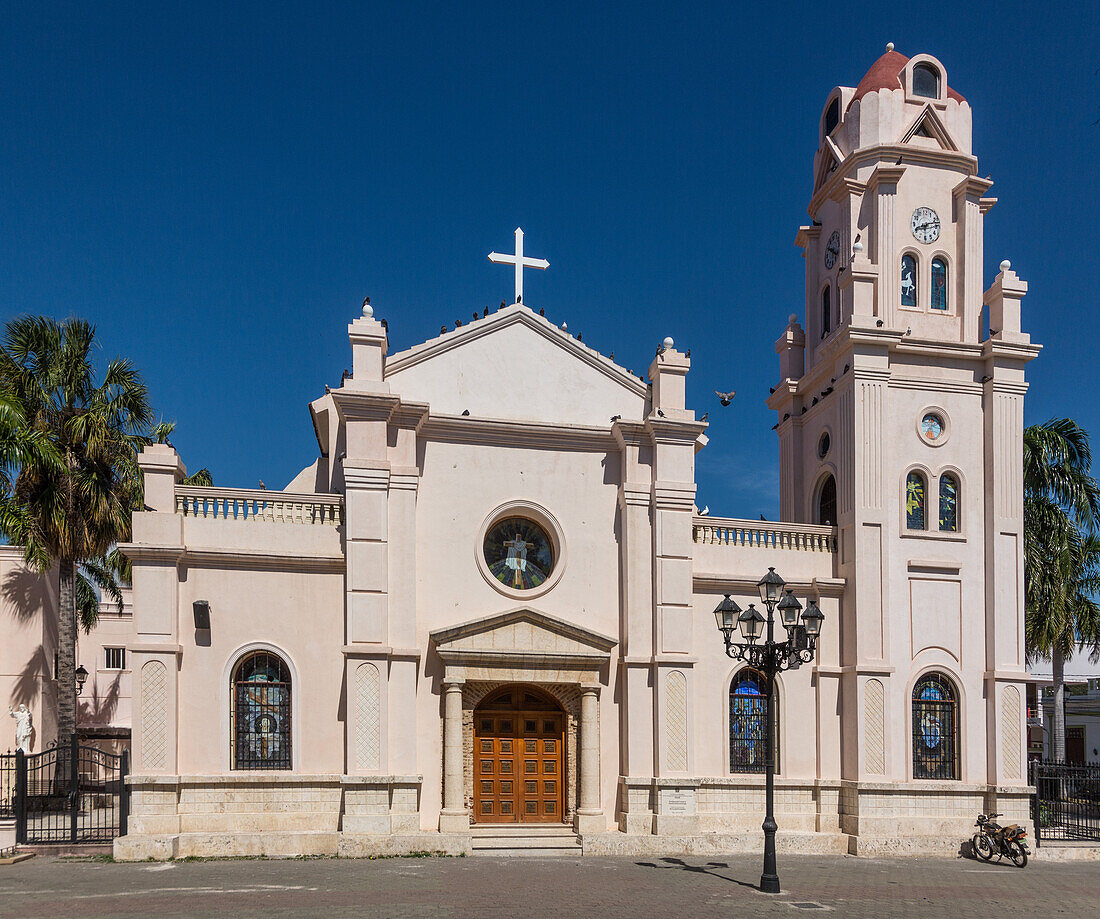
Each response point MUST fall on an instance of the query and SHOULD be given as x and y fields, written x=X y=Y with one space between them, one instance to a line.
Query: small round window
x=519 y=553
x=823 y=445
x=932 y=427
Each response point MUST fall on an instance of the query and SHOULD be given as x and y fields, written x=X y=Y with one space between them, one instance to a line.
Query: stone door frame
x=528 y=647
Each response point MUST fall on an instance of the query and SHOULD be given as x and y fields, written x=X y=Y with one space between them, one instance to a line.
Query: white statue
x=23 y=727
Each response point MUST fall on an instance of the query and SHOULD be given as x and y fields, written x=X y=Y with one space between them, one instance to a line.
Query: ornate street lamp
x=770 y=657
x=81 y=678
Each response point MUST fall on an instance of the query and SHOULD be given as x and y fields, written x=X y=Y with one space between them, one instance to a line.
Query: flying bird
x=725 y=397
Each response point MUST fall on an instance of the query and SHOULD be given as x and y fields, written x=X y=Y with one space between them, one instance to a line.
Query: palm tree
x=72 y=513
x=19 y=445
x=1061 y=554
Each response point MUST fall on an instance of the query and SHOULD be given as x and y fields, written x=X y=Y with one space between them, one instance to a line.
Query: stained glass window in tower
x=935 y=728
x=931 y=427
x=915 y=501
x=908 y=280
x=260 y=731
x=826 y=502
x=949 y=503
x=748 y=722
x=519 y=553
x=939 y=284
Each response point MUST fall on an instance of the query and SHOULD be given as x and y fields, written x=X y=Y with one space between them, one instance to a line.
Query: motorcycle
x=994 y=839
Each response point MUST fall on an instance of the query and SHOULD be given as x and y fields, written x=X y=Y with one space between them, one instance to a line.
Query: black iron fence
x=1066 y=806
x=72 y=793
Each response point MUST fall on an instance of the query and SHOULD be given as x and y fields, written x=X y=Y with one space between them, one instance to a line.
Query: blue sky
x=217 y=186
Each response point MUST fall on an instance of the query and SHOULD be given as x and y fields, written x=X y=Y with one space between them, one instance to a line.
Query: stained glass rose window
x=519 y=553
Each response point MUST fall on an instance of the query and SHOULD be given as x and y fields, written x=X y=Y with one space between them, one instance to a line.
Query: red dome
x=885 y=74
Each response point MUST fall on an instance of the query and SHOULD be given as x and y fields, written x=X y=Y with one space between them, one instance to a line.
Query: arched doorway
x=519 y=757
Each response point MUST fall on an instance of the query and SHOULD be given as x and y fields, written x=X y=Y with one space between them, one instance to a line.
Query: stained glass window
x=826 y=318
x=908 y=280
x=949 y=503
x=518 y=553
x=926 y=81
x=931 y=426
x=939 y=284
x=826 y=502
x=260 y=731
x=935 y=728
x=915 y=501
x=748 y=722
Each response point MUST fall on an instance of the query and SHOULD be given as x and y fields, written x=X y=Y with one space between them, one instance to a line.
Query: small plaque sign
x=678 y=802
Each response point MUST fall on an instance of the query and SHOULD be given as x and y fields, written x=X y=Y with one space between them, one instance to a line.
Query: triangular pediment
x=929 y=130
x=516 y=365
x=522 y=632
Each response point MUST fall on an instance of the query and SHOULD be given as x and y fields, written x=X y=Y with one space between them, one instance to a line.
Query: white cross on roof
x=520 y=262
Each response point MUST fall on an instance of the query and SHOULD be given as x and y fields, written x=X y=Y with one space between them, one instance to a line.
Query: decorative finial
x=668 y=343
x=792 y=319
x=1005 y=265
x=889 y=47
x=368 y=310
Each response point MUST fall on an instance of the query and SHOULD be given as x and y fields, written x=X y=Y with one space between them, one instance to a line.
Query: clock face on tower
x=832 y=249
x=925 y=225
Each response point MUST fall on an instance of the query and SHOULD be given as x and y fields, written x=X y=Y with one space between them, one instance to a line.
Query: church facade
x=474 y=611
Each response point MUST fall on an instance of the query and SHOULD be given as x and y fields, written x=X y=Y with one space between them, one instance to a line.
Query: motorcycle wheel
x=983 y=847
x=1018 y=854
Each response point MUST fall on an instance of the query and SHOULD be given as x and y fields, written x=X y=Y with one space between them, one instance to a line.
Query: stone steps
x=518 y=840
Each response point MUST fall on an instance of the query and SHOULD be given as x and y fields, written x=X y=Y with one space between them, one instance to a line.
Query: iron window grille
x=749 y=722
x=260 y=713
x=114 y=658
x=935 y=728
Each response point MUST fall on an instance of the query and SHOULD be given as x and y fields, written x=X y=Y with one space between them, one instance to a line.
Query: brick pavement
x=492 y=888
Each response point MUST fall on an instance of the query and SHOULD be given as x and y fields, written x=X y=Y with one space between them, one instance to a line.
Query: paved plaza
x=545 y=887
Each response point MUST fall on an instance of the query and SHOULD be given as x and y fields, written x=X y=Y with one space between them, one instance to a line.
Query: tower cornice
x=888 y=154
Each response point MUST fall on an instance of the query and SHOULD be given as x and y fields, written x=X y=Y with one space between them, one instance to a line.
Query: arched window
x=926 y=81
x=908 y=280
x=939 y=284
x=935 y=728
x=916 y=501
x=749 y=722
x=260 y=713
x=826 y=313
x=832 y=116
x=826 y=502
x=949 y=503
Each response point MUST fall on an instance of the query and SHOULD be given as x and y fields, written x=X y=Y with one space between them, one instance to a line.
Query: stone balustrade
x=257 y=504
x=727 y=531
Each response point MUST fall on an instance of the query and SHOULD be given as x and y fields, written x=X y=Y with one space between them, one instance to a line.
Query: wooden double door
x=519 y=759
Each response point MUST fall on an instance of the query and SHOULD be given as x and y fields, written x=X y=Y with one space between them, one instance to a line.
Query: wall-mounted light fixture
x=202 y=614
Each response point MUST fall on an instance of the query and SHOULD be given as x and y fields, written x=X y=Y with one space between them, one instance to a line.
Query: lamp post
x=770 y=657
x=81 y=678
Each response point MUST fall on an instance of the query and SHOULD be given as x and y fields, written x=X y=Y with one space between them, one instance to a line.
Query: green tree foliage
x=1061 y=554
x=72 y=512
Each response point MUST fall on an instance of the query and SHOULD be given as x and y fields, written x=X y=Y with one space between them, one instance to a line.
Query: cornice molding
x=502 y=432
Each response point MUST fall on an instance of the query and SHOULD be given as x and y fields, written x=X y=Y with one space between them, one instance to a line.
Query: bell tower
x=901 y=419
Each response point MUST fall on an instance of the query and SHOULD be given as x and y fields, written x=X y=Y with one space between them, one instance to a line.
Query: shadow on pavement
x=708 y=868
